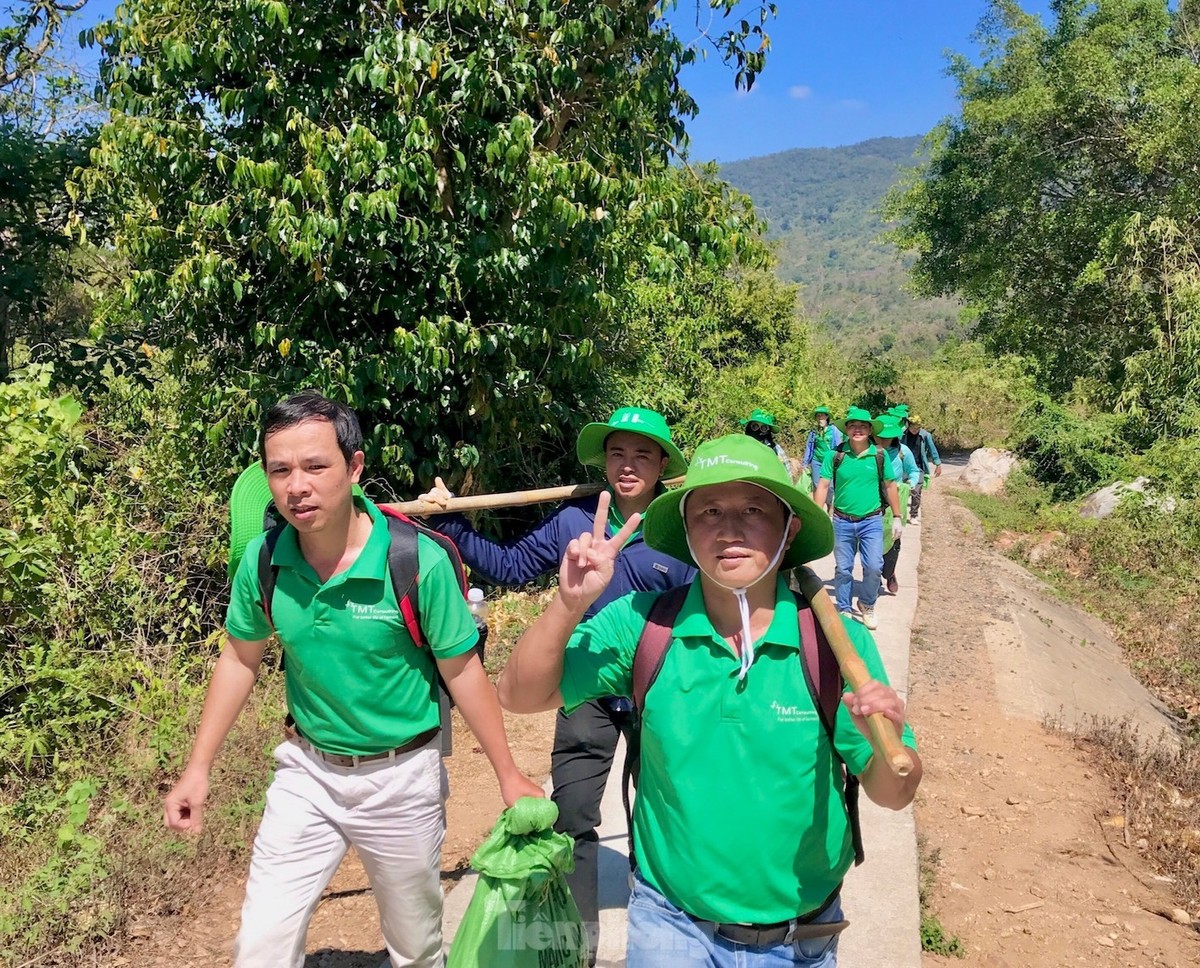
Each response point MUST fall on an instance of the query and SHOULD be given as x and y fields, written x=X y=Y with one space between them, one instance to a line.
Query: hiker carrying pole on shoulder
x=361 y=763
x=929 y=461
x=821 y=440
x=907 y=473
x=741 y=833
x=636 y=451
x=864 y=484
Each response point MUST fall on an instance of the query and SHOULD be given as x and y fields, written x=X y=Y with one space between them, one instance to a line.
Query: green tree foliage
x=1062 y=202
x=430 y=210
x=33 y=210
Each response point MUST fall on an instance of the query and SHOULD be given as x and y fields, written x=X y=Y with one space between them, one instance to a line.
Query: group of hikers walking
x=741 y=832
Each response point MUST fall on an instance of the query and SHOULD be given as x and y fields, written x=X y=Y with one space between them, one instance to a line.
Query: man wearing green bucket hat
x=821 y=440
x=635 y=449
x=741 y=837
x=864 y=484
x=909 y=476
x=761 y=426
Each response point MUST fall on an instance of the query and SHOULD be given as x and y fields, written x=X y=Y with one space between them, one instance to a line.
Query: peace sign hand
x=587 y=567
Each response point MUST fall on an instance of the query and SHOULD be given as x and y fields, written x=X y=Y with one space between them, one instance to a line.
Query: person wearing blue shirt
x=929 y=461
x=636 y=451
x=906 y=472
x=823 y=439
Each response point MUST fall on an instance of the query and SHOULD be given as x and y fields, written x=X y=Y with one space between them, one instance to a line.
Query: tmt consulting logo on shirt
x=792 y=714
x=372 y=612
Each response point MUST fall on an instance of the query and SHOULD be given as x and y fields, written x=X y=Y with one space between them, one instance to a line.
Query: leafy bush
x=1068 y=453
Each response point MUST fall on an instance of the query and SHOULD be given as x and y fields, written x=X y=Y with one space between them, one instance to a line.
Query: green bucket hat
x=737 y=457
x=764 y=417
x=824 y=410
x=635 y=420
x=899 y=410
x=858 y=413
x=891 y=428
x=248 y=503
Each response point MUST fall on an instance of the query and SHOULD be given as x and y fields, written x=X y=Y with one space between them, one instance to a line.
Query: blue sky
x=839 y=71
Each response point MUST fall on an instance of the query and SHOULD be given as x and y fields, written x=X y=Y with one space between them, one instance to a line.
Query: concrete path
x=880 y=897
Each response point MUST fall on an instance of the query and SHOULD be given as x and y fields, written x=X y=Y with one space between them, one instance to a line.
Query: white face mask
x=747 y=650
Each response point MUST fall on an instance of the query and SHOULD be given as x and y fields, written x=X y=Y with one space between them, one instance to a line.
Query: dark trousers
x=584 y=745
x=914 y=504
x=890 y=559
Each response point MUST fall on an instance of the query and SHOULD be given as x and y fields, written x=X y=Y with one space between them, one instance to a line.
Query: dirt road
x=1033 y=869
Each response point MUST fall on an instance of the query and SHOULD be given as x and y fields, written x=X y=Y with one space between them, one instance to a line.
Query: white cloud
x=800 y=92
x=852 y=104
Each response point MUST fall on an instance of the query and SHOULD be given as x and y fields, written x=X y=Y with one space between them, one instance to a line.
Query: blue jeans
x=662 y=936
x=864 y=538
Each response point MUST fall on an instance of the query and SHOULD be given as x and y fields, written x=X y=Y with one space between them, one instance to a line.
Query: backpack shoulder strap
x=825 y=684
x=268 y=573
x=404 y=566
x=654 y=642
x=879 y=459
x=837 y=462
x=648 y=656
x=821 y=672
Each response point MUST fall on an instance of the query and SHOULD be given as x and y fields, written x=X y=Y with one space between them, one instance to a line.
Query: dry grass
x=1159 y=783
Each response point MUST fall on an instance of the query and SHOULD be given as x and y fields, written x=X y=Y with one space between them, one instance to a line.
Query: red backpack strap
x=654 y=642
x=404 y=566
x=652 y=645
x=825 y=684
x=821 y=672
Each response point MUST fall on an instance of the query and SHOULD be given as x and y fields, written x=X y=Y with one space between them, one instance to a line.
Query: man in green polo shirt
x=740 y=828
x=861 y=487
x=362 y=764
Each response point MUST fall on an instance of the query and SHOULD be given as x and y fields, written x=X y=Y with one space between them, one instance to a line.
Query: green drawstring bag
x=522 y=914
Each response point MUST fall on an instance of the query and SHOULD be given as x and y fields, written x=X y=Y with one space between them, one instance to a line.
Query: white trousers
x=393 y=812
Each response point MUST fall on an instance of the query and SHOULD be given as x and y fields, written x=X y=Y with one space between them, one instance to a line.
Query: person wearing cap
x=761 y=426
x=821 y=440
x=635 y=449
x=863 y=485
x=906 y=471
x=362 y=763
x=920 y=442
x=740 y=832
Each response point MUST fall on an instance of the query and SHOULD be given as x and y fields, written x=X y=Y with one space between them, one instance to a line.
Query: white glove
x=897 y=528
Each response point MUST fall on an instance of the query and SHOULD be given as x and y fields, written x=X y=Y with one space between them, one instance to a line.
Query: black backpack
x=822 y=675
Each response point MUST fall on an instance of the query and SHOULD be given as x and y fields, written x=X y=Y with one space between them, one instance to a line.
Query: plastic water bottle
x=479 y=608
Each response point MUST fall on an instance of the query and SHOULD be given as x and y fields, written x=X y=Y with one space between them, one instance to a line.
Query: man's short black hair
x=311 y=405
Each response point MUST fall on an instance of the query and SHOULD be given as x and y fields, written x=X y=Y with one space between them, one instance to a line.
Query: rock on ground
x=987 y=469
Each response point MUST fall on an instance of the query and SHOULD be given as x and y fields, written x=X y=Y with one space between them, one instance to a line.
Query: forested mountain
x=821 y=205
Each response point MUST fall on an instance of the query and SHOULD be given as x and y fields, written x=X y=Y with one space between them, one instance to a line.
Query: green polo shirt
x=856 y=490
x=357 y=684
x=822 y=444
x=739 y=814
